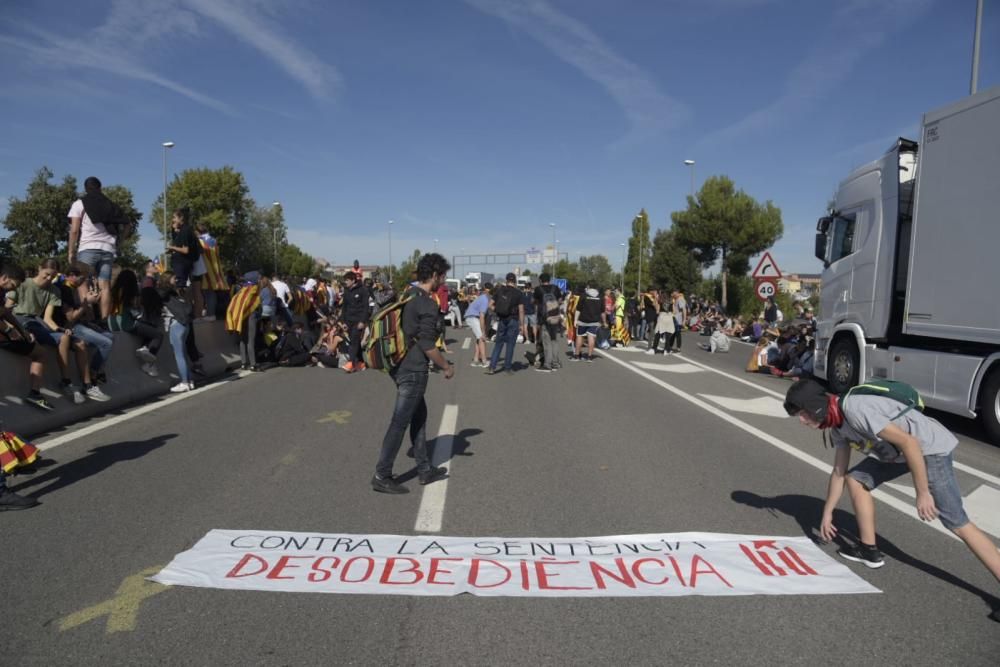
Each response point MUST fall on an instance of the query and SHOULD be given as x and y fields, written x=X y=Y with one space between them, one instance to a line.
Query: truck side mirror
x=822 y=226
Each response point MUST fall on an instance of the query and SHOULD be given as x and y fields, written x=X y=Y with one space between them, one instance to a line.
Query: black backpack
x=550 y=305
x=507 y=299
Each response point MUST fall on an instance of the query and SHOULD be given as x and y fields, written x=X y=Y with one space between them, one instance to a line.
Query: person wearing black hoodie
x=354 y=312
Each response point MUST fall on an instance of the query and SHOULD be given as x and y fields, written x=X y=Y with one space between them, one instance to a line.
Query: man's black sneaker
x=38 y=401
x=433 y=475
x=589 y=358
x=995 y=616
x=388 y=485
x=862 y=553
x=490 y=371
x=543 y=369
x=11 y=501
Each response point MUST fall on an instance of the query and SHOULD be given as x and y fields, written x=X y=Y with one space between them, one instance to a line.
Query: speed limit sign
x=765 y=289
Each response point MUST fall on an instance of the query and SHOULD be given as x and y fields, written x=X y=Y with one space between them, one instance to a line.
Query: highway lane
x=594 y=449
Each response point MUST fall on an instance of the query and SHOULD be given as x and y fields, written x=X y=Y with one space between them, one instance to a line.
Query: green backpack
x=387 y=344
x=897 y=391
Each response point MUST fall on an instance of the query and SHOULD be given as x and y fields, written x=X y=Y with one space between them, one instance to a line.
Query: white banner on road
x=623 y=565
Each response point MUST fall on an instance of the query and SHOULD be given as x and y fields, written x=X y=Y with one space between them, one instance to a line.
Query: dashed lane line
x=431 y=512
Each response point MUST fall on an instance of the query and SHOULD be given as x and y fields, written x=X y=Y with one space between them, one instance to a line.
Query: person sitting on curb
x=15 y=339
x=895 y=440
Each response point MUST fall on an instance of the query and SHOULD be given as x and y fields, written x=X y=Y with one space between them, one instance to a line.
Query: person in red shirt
x=442 y=295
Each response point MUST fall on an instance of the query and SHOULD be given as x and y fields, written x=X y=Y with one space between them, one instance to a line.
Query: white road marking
x=992 y=479
x=669 y=368
x=167 y=399
x=466 y=343
x=762 y=405
x=431 y=510
x=890 y=500
x=981 y=506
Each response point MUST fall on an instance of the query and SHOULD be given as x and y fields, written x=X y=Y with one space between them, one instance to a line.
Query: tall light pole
x=274 y=237
x=638 y=278
x=690 y=163
x=166 y=145
x=435 y=245
x=555 y=255
x=623 y=268
x=974 y=83
x=390 y=252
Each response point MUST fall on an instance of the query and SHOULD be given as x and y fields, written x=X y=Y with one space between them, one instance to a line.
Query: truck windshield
x=843 y=237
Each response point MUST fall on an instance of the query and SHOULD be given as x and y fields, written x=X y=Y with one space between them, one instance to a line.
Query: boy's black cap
x=810 y=396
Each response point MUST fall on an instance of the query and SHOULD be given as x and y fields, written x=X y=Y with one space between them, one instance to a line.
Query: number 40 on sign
x=765 y=289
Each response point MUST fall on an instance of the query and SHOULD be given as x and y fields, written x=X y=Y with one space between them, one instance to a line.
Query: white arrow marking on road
x=981 y=506
x=466 y=343
x=763 y=405
x=670 y=368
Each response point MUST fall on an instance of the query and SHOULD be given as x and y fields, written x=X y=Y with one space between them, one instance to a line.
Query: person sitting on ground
x=895 y=440
x=664 y=330
x=127 y=315
x=762 y=352
x=801 y=364
x=718 y=342
x=15 y=455
x=15 y=339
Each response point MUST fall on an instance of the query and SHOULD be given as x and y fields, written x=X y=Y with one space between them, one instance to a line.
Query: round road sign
x=765 y=288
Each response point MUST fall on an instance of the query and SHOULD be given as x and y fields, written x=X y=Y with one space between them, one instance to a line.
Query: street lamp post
x=274 y=238
x=690 y=163
x=623 y=268
x=166 y=145
x=974 y=83
x=638 y=278
x=390 y=252
x=555 y=256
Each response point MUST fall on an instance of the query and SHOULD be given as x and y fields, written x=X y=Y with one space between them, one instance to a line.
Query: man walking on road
x=354 y=312
x=547 y=297
x=420 y=325
x=509 y=309
x=895 y=439
x=590 y=316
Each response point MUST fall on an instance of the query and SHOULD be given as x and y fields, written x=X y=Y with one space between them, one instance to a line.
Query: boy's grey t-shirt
x=866 y=416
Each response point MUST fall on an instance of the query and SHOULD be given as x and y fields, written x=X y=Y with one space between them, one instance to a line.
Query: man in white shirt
x=89 y=218
x=281 y=289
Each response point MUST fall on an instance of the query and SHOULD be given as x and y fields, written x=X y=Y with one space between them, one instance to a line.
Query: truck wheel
x=989 y=406
x=842 y=367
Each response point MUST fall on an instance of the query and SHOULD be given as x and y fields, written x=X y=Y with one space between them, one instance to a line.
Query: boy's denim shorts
x=100 y=261
x=940 y=477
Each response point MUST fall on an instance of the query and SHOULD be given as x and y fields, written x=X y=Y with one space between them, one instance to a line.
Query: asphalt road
x=628 y=444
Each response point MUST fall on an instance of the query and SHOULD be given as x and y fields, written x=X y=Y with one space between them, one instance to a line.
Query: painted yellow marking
x=289 y=459
x=339 y=416
x=123 y=608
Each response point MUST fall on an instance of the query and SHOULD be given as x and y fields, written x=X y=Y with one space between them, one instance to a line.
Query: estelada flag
x=242 y=304
x=620 y=333
x=15 y=452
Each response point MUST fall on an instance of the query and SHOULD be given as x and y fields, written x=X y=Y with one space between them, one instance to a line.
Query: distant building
x=803 y=284
x=367 y=271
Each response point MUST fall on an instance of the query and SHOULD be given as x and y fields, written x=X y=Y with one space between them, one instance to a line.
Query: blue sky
x=479 y=122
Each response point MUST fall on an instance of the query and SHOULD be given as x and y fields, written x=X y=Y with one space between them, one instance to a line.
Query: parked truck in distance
x=479 y=278
x=910 y=255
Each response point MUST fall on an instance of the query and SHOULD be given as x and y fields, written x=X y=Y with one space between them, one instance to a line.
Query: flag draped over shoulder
x=214 y=279
x=620 y=333
x=242 y=304
x=300 y=304
x=571 y=316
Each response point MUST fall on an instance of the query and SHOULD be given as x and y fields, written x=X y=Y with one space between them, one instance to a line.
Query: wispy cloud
x=648 y=109
x=857 y=28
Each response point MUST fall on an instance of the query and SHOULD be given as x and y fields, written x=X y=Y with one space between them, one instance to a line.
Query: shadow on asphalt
x=98 y=460
x=459 y=447
x=807 y=510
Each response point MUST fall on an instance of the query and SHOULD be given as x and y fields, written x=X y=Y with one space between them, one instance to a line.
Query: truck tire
x=842 y=365
x=989 y=406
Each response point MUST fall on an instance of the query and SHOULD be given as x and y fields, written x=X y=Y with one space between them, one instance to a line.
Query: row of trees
x=250 y=236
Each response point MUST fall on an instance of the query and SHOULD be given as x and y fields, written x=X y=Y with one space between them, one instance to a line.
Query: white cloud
x=647 y=108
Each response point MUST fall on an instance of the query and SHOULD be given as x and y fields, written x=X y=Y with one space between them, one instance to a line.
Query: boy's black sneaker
x=490 y=371
x=433 y=475
x=388 y=485
x=995 y=616
x=11 y=501
x=38 y=401
x=868 y=556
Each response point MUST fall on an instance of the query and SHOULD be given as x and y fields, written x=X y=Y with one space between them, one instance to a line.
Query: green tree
x=640 y=252
x=673 y=266
x=726 y=224
x=402 y=275
x=596 y=269
x=220 y=199
x=38 y=224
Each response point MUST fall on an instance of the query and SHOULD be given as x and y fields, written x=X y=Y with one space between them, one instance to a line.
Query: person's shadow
x=98 y=460
x=459 y=447
x=807 y=511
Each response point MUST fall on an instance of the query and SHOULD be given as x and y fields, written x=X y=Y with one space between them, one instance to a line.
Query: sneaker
x=869 y=556
x=38 y=401
x=476 y=364
x=11 y=501
x=543 y=369
x=144 y=354
x=650 y=351
x=348 y=367
x=995 y=616
x=94 y=393
x=388 y=485
x=490 y=371
x=74 y=392
x=433 y=475
x=181 y=387
x=150 y=370
x=589 y=358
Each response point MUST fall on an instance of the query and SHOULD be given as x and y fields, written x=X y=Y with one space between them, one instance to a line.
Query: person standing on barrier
x=94 y=220
x=354 y=312
x=420 y=326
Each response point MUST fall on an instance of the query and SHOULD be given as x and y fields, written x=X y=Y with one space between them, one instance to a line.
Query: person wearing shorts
x=896 y=440
x=90 y=240
x=475 y=317
x=590 y=316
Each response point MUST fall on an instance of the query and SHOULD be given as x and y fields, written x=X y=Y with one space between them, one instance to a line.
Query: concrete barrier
x=126 y=384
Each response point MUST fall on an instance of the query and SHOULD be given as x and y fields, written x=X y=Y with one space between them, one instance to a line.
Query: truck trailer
x=910 y=255
x=479 y=278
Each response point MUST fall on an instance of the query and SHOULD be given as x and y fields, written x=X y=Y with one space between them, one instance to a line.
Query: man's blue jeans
x=507 y=330
x=99 y=340
x=178 y=332
x=410 y=411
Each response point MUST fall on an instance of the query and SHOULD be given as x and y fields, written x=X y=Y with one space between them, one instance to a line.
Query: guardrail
x=127 y=384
